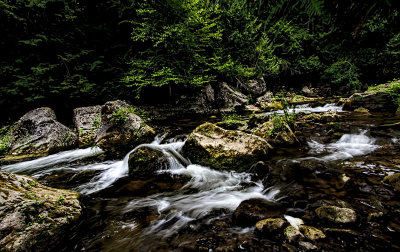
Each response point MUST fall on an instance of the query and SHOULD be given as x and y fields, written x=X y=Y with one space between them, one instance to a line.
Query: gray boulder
x=39 y=133
x=199 y=103
x=34 y=217
x=87 y=121
x=254 y=88
x=121 y=129
x=229 y=99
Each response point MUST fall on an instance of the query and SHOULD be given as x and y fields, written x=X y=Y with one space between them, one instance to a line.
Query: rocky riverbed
x=326 y=179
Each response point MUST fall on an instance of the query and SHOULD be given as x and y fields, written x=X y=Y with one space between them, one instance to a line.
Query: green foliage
x=230 y=119
x=392 y=89
x=5 y=140
x=60 y=200
x=281 y=122
x=344 y=72
x=122 y=114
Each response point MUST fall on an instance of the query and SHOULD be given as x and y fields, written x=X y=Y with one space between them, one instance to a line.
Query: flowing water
x=184 y=198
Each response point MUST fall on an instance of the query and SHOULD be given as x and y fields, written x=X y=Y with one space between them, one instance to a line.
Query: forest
x=65 y=54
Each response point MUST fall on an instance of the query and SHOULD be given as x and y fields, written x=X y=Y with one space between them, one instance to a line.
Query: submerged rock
x=373 y=101
x=249 y=212
x=39 y=133
x=336 y=214
x=146 y=161
x=34 y=217
x=121 y=129
x=292 y=234
x=312 y=233
x=270 y=225
x=222 y=149
x=87 y=121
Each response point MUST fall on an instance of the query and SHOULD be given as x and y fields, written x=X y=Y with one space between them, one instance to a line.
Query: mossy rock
x=336 y=214
x=222 y=149
x=394 y=180
x=146 y=162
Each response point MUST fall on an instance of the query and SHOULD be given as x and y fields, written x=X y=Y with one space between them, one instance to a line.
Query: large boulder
x=199 y=103
x=34 y=217
x=373 y=101
x=86 y=121
x=251 y=211
x=254 y=88
x=222 y=149
x=146 y=162
x=229 y=99
x=121 y=129
x=38 y=132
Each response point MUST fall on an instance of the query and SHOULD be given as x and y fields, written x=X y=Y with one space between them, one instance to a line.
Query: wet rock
x=270 y=225
x=254 y=87
x=308 y=91
x=82 y=177
x=288 y=248
x=374 y=101
x=330 y=116
x=292 y=234
x=374 y=216
x=361 y=110
x=276 y=136
x=336 y=214
x=228 y=99
x=121 y=129
x=222 y=149
x=394 y=180
x=146 y=161
x=39 y=133
x=86 y=121
x=251 y=211
x=340 y=232
x=307 y=246
x=271 y=106
x=34 y=217
x=312 y=233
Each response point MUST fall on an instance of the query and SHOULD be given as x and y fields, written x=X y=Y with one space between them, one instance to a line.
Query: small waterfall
x=120 y=169
x=308 y=108
x=60 y=160
x=348 y=146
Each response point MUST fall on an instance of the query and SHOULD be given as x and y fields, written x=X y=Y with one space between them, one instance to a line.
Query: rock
x=270 y=225
x=361 y=110
x=200 y=103
x=266 y=98
x=86 y=121
x=228 y=99
x=146 y=161
x=38 y=132
x=213 y=146
x=341 y=232
x=307 y=246
x=312 y=233
x=288 y=248
x=394 y=180
x=308 y=91
x=276 y=135
x=374 y=101
x=292 y=234
x=271 y=106
x=254 y=88
x=336 y=214
x=330 y=116
x=249 y=212
x=34 y=217
x=375 y=216
x=121 y=129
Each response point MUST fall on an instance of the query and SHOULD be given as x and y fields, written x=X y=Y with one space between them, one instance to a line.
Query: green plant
x=230 y=119
x=122 y=114
x=281 y=122
x=60 y=200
